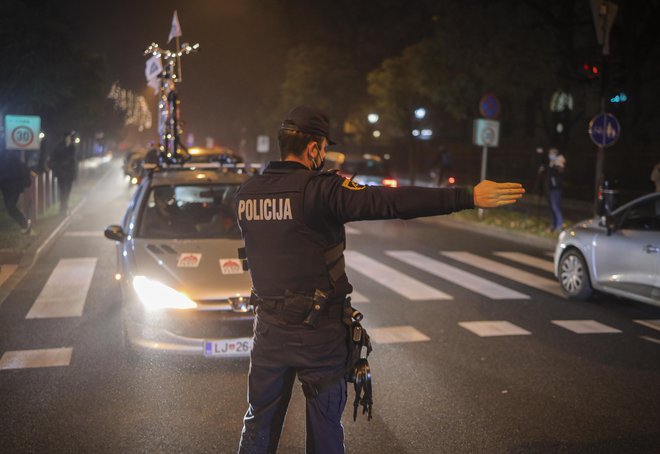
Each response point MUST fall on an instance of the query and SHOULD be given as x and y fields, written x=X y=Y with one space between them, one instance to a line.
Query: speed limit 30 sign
x=22 y=132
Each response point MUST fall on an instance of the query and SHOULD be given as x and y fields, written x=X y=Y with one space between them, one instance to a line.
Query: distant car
x=184 y=287
x=132 y=165
x=618 y=253
x=367 y=169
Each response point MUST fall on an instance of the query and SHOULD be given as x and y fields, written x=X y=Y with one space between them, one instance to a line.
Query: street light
x=420 y=113
x=373 y=118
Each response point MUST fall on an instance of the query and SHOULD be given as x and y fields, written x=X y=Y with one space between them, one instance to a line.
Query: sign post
x=485 y=133
x=604 y=131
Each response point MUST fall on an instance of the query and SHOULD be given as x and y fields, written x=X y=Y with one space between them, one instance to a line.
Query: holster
x=295 y=308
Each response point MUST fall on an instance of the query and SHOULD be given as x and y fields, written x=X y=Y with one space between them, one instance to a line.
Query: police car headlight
x=156 y=296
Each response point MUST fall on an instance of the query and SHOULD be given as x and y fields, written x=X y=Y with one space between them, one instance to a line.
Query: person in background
x=15 y=177
x=655 y=176
x=554 y=177
x=63 y=162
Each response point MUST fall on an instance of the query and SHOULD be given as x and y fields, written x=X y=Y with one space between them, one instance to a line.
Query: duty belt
x=298 y=309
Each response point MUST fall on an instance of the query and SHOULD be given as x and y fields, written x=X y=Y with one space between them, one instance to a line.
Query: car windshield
x=184 y=212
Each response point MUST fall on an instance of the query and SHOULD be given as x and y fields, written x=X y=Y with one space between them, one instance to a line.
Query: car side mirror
x=115 y=233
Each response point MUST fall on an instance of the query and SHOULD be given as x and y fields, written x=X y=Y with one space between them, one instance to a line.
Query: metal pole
x=178 y=60
x=600 y=157
x=484 y=160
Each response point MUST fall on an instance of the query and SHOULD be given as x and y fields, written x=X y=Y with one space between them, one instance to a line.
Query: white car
x=617 y=254
x=184 y=286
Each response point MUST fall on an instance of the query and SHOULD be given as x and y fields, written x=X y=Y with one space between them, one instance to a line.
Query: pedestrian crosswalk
x=66 y=290
x=410 y=276
x=27 y=359
x=395 y=280
x=455 y=275
x=506 y=271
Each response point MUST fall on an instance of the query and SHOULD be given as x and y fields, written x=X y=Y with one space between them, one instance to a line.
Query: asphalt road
x=492 y=364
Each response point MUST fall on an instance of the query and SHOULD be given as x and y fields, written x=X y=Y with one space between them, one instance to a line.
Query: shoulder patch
x=352 y=185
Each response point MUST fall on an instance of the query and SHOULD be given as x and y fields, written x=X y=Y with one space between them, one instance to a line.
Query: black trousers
x=280 y=353
x=10 y=197
x=64 y=188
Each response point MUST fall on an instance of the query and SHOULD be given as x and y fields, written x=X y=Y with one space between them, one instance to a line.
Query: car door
x=628 y=260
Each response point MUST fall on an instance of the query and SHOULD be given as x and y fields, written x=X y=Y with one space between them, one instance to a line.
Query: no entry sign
x=22 y=132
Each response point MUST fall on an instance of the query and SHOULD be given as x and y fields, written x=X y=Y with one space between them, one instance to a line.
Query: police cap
x=308 y=120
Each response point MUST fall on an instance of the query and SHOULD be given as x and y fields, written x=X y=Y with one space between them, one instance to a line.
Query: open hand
x=489 y=194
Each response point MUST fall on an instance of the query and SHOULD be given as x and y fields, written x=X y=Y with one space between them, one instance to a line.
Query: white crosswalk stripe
x=66 y=290
x=585 y=326
x=396 y=281
x=24 y=359
x=506 y=271
x=491 y=328
x=457 y=276
x=352 y=230
x=653 y=324
x=396 y=335
x=525 y=259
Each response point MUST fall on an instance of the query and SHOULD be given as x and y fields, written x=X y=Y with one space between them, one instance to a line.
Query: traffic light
x=619 y=98
x=591 y=71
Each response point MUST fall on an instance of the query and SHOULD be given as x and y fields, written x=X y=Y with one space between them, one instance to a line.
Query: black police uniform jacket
x=290 y=217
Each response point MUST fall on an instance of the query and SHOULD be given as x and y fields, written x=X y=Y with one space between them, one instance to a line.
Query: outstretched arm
x=489 y=194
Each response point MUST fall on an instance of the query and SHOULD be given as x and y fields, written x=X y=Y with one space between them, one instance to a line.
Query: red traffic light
x=590 y=71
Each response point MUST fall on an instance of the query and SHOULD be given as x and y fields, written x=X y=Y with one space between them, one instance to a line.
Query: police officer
x=292 y=220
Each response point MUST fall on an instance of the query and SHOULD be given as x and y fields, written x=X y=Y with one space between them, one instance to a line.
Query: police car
x=184 y=287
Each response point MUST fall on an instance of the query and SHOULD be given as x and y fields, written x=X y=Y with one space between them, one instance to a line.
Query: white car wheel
x=574 y=276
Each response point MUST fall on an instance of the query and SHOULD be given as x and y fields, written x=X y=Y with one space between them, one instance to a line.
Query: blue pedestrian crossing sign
x=604 y=129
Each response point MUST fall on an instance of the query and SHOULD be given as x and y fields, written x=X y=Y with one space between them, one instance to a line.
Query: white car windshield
x=184 y=212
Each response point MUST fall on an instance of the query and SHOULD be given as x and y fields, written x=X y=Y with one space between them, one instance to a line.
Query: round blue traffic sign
x=489 y=106
x=604 y=129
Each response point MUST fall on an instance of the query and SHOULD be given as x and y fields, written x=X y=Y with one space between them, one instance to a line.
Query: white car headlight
x=156 y=296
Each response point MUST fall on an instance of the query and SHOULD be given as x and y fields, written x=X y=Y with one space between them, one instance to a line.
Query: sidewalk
x=18 y=252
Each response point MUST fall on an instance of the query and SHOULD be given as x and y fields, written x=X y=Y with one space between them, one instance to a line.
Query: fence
x=43 y=194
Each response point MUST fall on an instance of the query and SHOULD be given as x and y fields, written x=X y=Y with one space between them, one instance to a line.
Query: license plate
x=228 y=347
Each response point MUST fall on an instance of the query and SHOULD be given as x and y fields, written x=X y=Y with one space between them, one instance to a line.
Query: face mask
x=316 y=166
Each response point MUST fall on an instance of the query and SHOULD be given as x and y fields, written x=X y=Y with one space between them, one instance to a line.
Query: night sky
x=230 y=87
x=241 y=56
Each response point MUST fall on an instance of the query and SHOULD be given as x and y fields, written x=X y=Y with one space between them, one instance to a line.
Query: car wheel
x=574 y=276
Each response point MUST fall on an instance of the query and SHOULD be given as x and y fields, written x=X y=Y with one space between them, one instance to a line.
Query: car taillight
x=391 y=182
x=451 y=180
